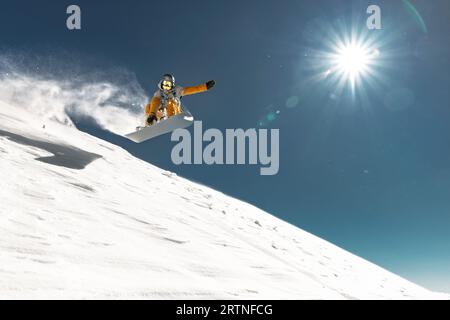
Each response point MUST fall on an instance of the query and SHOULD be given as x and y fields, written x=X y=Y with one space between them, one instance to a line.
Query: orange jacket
x=173 y=105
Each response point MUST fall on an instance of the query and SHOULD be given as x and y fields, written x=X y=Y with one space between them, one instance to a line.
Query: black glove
x=210 y=84
x=151 y=118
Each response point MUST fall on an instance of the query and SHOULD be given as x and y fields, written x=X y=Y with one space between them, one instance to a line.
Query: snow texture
x=81 y=218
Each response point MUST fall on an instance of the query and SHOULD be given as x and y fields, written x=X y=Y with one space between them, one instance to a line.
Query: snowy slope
x=82 y=218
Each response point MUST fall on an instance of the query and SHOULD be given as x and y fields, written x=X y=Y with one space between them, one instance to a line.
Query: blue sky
x=371 y=175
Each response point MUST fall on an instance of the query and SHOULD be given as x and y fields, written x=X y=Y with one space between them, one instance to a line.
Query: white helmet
x=167 y=82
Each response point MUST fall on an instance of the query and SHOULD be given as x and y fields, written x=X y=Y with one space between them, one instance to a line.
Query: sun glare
x=352 y=60
x=348 y=60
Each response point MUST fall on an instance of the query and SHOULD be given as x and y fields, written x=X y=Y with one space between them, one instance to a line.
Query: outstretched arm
x=197 y=89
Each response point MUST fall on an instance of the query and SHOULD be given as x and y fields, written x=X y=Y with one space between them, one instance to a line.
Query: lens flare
x=352 y=62
x=350 y=58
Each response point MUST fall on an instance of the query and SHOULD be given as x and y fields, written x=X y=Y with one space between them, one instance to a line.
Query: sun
x=352 y=62
x=347 y=61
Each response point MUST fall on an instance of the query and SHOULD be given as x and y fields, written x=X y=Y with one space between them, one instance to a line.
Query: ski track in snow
x=93 y=222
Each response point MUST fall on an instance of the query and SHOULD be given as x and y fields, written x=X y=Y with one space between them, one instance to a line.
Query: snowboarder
x=166 y=102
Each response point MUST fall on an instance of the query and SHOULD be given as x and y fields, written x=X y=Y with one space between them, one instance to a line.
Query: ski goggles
x=167 y=85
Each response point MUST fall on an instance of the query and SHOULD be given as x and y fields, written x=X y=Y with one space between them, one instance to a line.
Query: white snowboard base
x=182 y=120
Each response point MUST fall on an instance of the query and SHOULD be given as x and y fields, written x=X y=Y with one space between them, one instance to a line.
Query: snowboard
x=179 y=121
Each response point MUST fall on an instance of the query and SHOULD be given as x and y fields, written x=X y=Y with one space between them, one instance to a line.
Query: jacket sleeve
x=152 y=106
x=194 y=89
